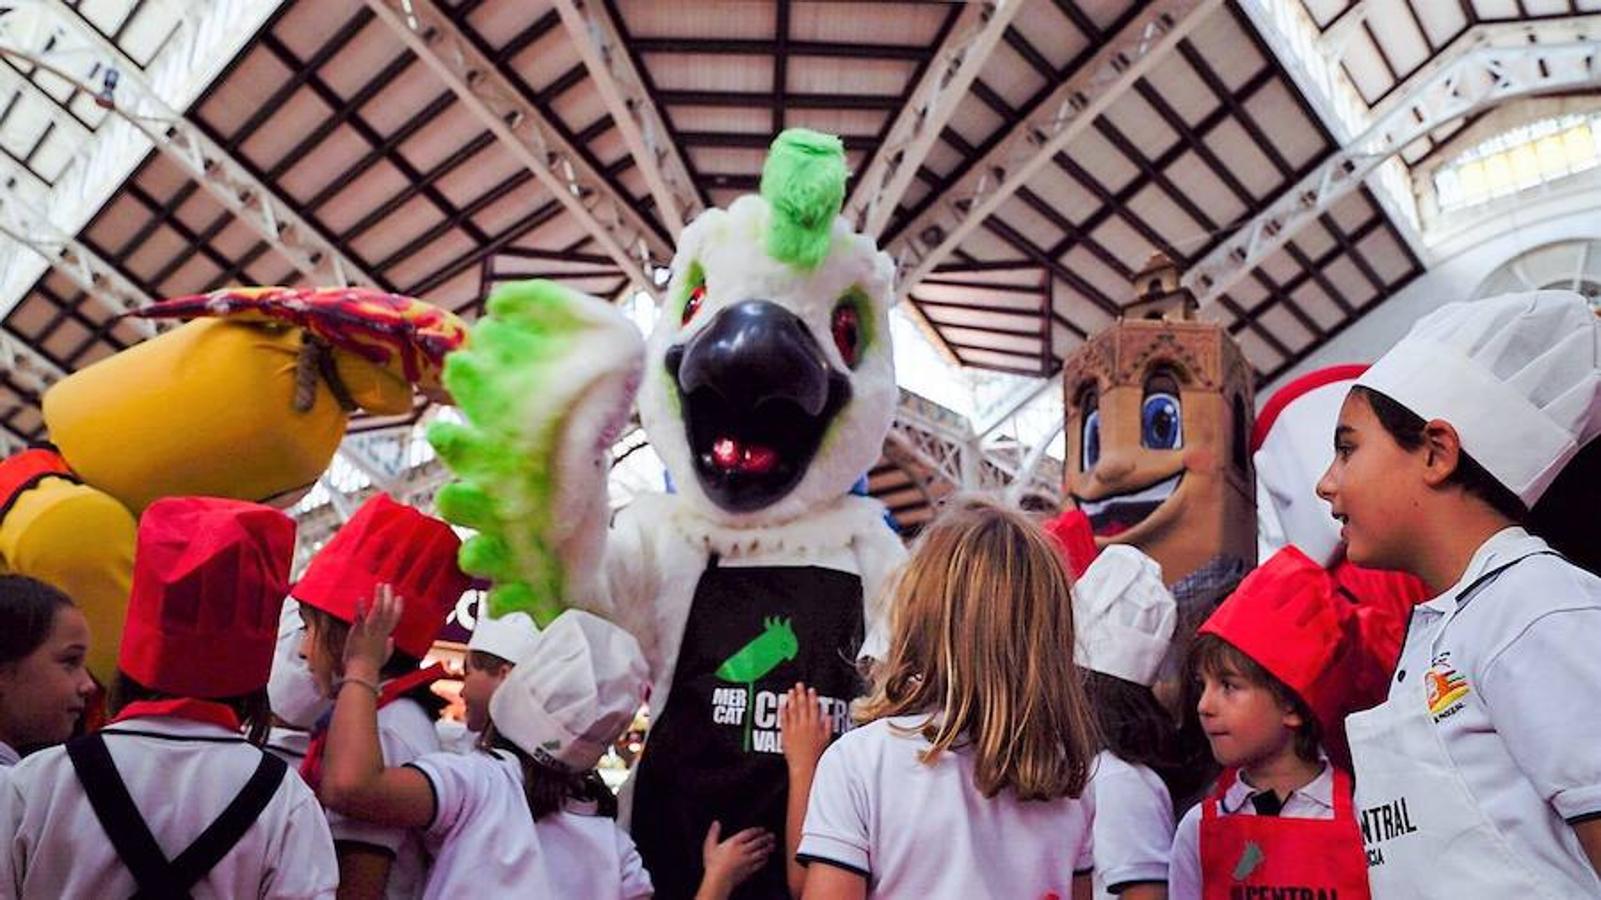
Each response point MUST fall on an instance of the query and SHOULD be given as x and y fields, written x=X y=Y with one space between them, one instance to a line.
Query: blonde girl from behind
x=966 y=775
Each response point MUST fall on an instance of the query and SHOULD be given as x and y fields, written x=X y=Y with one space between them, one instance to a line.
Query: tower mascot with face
x=767 y=388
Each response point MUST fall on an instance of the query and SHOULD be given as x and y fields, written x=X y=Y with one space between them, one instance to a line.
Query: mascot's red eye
x=847 y=332
x=692 y=305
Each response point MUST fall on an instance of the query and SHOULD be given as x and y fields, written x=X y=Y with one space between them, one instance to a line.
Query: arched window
x=1089 y=427
x=1518 y=159
x=1572 y=265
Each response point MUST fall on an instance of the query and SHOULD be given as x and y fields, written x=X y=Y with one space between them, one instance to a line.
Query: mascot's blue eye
x=1092 y=440
x=1161 y=424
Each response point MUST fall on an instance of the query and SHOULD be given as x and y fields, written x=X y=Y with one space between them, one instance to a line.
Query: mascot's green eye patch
x=803 y=181
x=692 y=293
x=851 y=324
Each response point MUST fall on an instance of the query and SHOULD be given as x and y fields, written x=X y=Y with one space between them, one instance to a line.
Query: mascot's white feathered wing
x=767 y=388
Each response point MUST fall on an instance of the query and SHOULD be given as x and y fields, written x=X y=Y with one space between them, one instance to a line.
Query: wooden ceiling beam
x=644 y=131
x=947 y=80
x=482 y=85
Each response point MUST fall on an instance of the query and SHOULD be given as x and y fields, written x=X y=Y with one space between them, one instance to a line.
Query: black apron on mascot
x=715 y=753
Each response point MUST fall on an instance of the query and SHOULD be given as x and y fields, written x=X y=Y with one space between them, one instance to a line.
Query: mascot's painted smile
x=1158 y=418
x=757 y=394
x=1113 y=515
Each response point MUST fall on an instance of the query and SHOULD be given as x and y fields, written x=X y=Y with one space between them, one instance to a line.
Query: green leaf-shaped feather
x=803 y=181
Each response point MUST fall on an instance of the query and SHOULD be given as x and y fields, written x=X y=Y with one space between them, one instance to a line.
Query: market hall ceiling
x=434 y=147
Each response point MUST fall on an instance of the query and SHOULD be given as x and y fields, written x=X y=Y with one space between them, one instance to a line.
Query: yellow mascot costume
x=248 y=402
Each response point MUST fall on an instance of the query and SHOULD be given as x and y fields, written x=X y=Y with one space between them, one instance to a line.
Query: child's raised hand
x=368 y=645
x=806 y=731
x=728 y=863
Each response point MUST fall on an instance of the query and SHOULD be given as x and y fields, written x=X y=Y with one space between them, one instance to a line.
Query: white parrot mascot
x=767 y=388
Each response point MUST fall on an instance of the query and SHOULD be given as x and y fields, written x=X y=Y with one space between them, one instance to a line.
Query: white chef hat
x=510 y=637
x=291 y=690
x=1518 y=376
x=1290 y=449
x=1123 y=615
x=575 y=694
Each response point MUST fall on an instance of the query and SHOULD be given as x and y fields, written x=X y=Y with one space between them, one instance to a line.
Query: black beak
x=758 y=395
x=752 y=353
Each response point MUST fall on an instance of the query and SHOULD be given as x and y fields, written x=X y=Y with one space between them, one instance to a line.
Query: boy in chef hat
x=176 y=796
x=1274 y=663
x=1479 y=775
x=496 y=645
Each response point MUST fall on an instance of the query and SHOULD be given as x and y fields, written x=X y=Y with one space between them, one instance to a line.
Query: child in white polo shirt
x=525 y=815
x=1274 y=662
x=44 y=682
x=1125 y=618
x=968 y=777
x=1481 y=775
x=495 y=646
x=170 y=799
x=385 y=542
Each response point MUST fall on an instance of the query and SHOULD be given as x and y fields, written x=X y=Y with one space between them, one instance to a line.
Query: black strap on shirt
x=1267 y=803
x=157 y=876
x=1466 y=595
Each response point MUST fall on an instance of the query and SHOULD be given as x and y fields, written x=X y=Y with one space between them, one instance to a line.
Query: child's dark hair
x=332 y=632
x=1135 y=727
x=252 y=708
x=1132 y=722
x=484 y=661
x=547 y=788
x=28 y=610
x=1407 y=428
x=1565 y=516
x=1213 y=656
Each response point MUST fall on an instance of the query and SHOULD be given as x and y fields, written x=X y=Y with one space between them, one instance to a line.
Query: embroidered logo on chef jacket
x=1446 y=688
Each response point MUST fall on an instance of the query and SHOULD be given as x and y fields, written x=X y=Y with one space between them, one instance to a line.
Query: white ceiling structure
x=1020 y=159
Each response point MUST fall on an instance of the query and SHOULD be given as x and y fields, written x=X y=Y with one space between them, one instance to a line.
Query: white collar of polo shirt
x=1503 y=547
x=1319 y=790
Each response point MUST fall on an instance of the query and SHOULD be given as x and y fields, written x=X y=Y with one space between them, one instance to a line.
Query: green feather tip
x=803 y=181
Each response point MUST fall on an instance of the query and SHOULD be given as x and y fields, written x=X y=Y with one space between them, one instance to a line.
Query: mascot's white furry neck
x=769 y=379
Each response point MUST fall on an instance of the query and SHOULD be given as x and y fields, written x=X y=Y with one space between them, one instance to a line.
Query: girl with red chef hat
x=209 y=578
x=383 y=543
x=1275 y=662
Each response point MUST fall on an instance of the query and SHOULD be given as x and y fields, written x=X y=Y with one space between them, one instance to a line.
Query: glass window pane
x=1553 y=156
x=1475 y=186
x=1525 y=166
x=1579 y=146
x=1498 y=175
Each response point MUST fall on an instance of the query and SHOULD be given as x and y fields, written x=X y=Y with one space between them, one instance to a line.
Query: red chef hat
x=1076 y=539
x=387 y=542
x=209 y=577
x=1384 y=602
x=1289 y=619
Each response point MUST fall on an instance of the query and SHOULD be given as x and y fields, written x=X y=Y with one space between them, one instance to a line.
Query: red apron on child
x=1246 y=857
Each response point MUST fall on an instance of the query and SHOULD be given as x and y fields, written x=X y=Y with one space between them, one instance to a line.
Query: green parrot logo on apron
x=762 y=654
